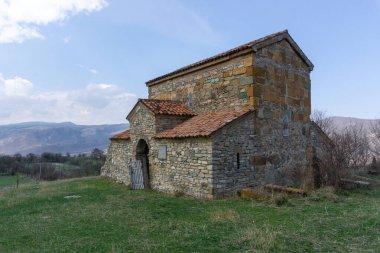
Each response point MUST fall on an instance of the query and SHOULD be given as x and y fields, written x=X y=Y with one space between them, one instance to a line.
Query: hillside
x=341 y=122
x=39 y=137
x=97 y=215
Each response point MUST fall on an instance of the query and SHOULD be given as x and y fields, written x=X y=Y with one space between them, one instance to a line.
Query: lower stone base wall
x=117 y=163
x=219 y=166
x=243 y=158
x=187 y=169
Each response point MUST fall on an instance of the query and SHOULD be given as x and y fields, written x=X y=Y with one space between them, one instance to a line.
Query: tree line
x=348 y=151
x=53 y=166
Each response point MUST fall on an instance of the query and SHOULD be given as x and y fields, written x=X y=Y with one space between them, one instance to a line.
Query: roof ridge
x=164 y=100
x=164 y=107
x=221 y=55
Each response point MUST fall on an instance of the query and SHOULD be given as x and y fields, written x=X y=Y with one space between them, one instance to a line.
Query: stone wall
x=233 y=167
x=274 y=80
x=213 y=88
x=282 y=128
x=187 y=168
x=322 y=148
x=281 y=78
x=118 y=161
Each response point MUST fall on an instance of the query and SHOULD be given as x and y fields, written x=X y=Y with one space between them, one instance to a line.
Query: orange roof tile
x=203 y=125
x=125 y=135
x=167 y=107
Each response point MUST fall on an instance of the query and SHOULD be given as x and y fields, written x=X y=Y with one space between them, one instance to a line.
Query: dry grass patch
x=261 y=239
x=228 y=215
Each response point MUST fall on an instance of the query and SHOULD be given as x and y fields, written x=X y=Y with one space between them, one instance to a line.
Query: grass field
x=11 y=181
x=111 y=218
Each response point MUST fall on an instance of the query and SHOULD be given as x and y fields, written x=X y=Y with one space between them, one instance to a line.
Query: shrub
x=280 y=199
x=326 y=193
x=251 y=194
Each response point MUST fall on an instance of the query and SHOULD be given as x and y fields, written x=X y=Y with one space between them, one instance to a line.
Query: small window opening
x=285 y=124
x=238 y=161
x=190 y=100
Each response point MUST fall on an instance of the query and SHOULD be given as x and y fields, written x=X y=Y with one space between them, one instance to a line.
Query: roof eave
x=211 y=134
x=120 y=139
x=187 y=70
x=213 y=60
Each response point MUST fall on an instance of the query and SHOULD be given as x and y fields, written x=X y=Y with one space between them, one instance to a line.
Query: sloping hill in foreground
x=39 y=137
x=97 y=215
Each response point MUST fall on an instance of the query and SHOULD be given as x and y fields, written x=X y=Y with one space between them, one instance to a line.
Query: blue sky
x=87 y=61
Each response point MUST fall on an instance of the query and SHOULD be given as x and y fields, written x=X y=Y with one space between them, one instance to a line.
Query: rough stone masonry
x=237 y=119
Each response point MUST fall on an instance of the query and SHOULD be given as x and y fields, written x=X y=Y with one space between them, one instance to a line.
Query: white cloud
x=19 y=19
x=16 y=86
x=101 y=103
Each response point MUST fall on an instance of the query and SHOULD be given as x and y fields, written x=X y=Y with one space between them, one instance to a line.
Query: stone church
x=238 y=119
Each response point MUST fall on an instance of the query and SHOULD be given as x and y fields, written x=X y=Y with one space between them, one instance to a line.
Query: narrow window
x=190 y=100
x=285 y=118
x=238 y=160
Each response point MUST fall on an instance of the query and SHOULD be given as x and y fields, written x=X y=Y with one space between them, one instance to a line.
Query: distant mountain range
x=341 y=122
x=39 y=137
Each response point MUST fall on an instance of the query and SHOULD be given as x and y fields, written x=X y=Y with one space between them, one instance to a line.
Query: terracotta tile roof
x=203 y=125
x=167 y=107
x=256 y=43
x=125 y=135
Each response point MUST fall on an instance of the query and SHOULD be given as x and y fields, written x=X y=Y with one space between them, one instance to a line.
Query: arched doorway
x=142 y=151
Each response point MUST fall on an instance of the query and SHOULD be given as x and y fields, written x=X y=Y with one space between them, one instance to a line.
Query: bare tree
x=338 y=152
x=322 y=120
x=353 y=146
x=375 y=134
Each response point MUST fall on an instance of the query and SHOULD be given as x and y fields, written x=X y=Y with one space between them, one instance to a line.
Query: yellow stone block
x=227 y=74
x=238 y=71
x=293 y=101
x=248 y=61
x=307 y=102
x=267 y=95
x=251 y=101
x=250 y=90
x=249 y=71
x=277 y=99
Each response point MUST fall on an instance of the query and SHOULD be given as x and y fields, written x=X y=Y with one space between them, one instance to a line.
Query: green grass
x=11 y=181
x=109 y=217
x=57 y=166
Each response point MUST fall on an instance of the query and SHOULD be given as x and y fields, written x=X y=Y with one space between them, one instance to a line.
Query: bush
x=280 y=199
x=251 y=194
x=327 y=193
